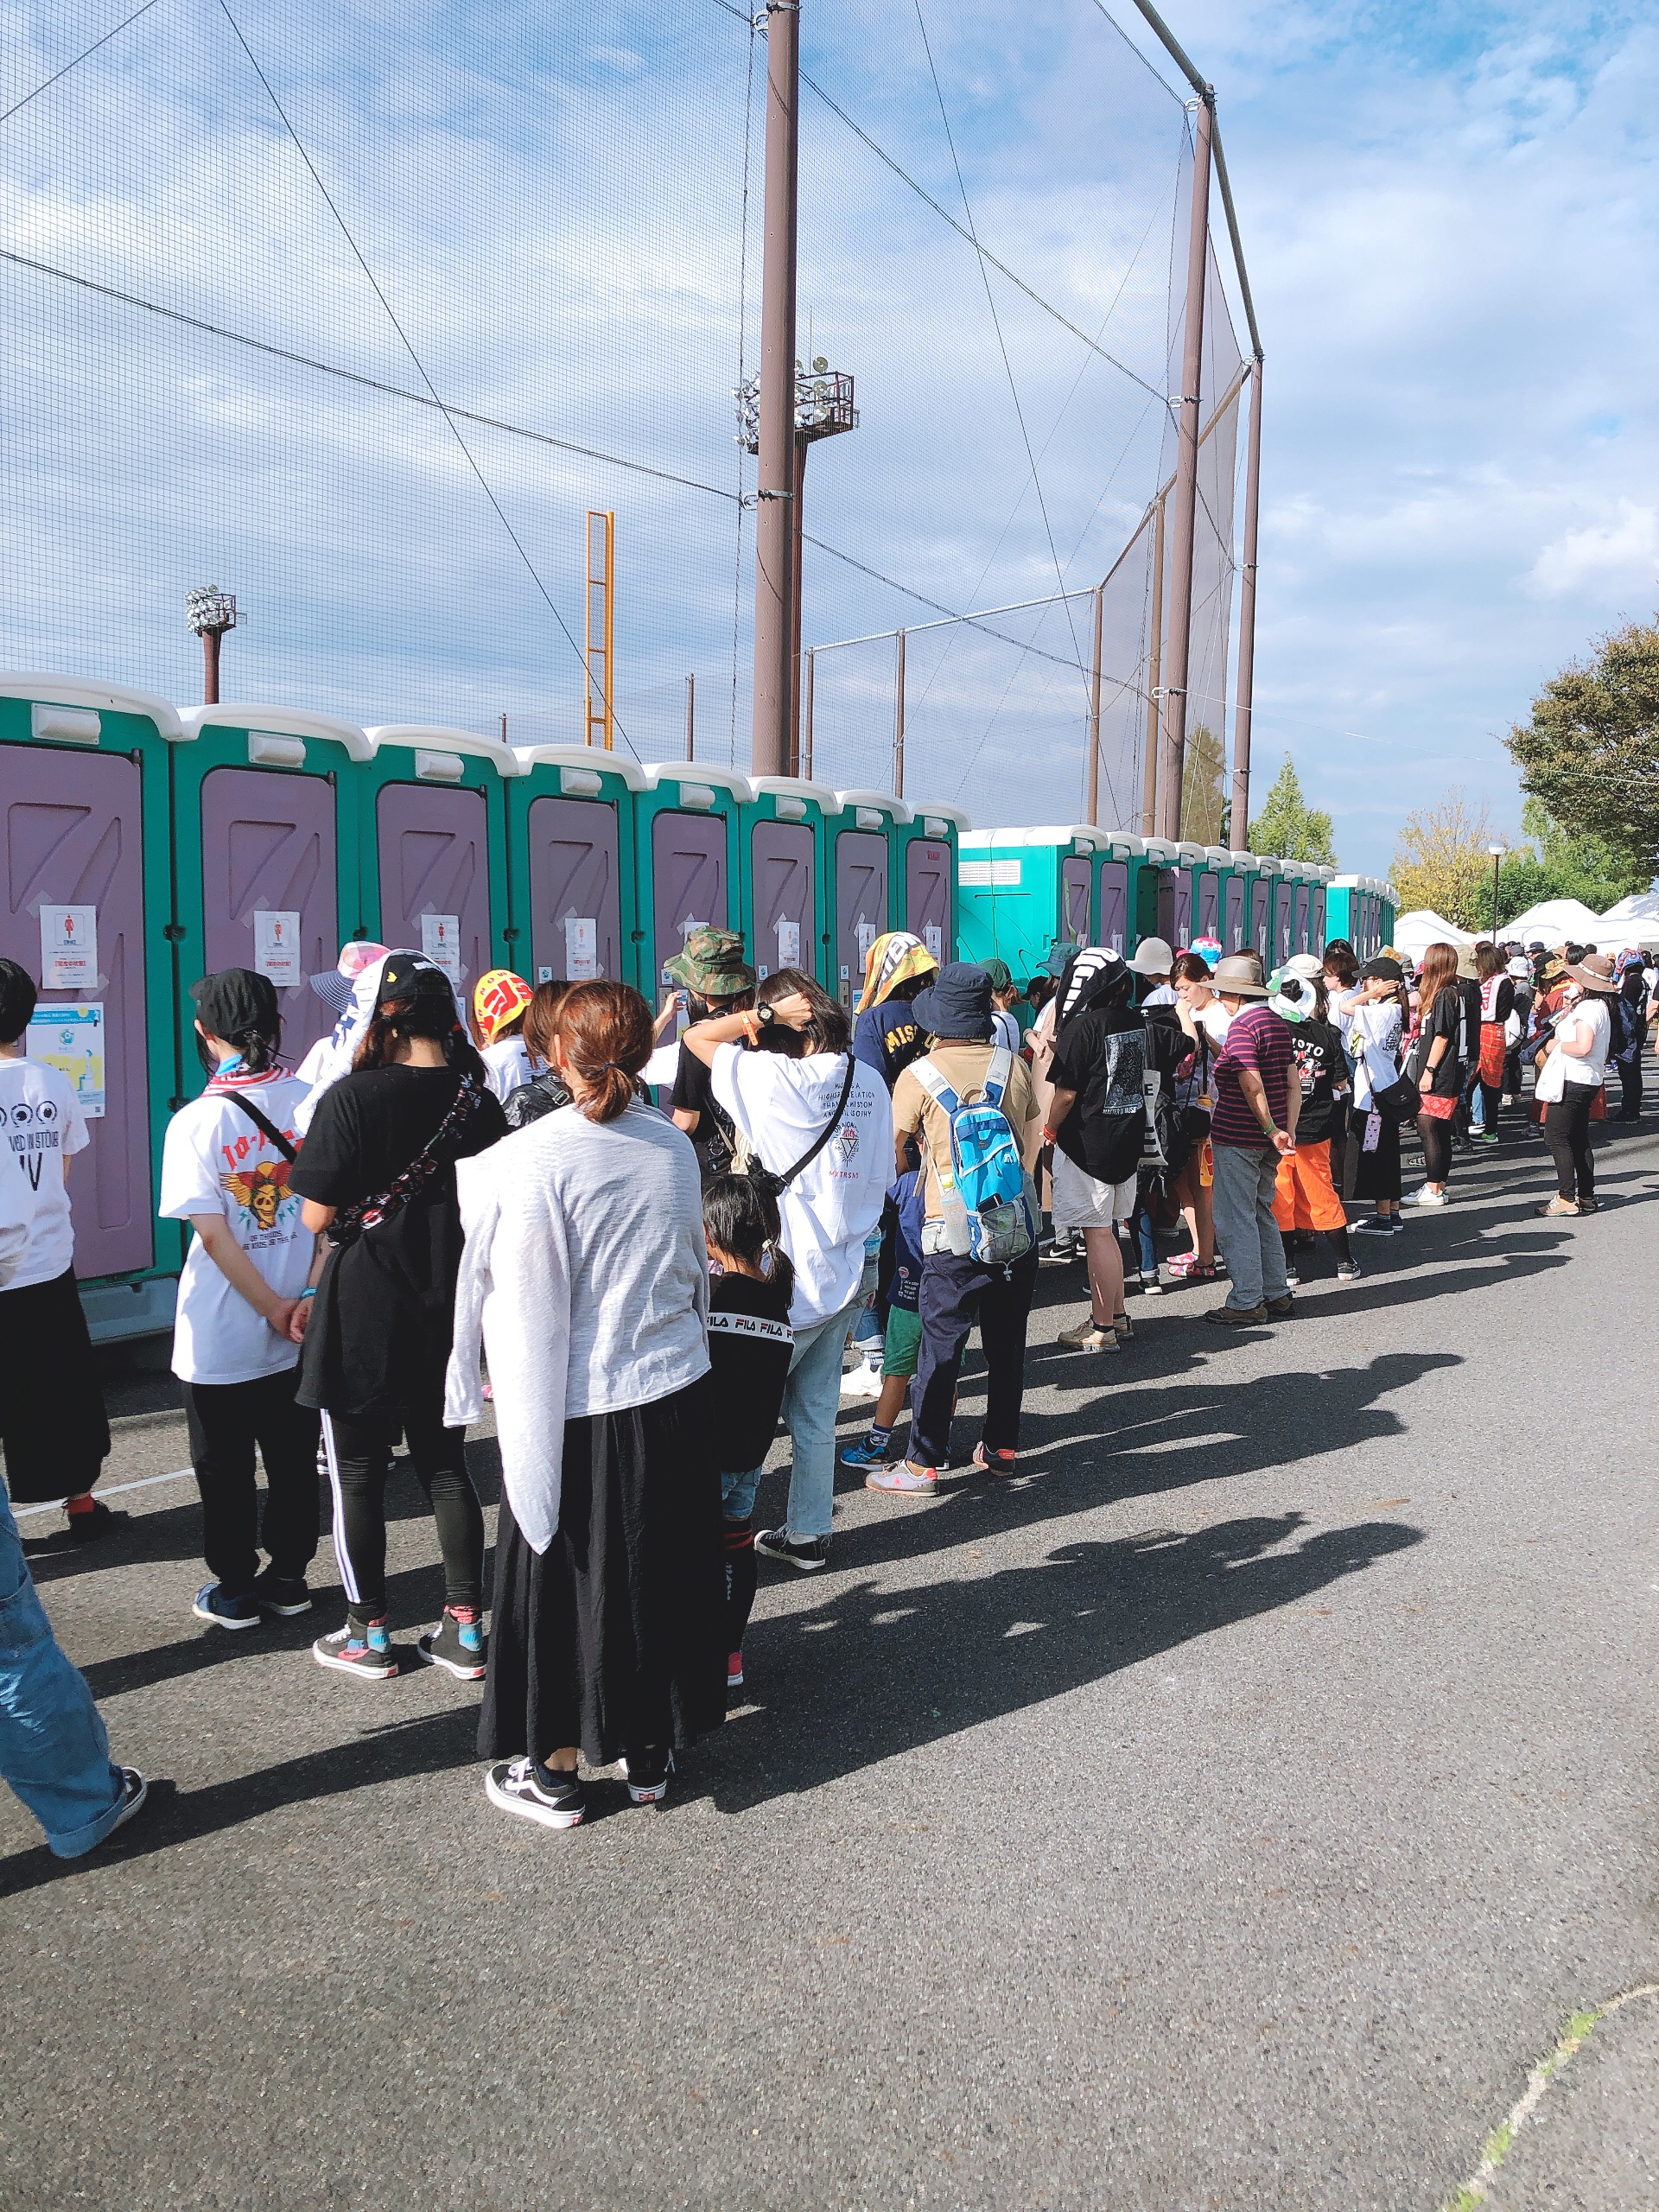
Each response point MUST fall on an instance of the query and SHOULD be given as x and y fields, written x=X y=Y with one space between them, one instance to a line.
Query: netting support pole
x=796 y=525
x=1154 y=678
x=1173 y=764
x=898 y=718
x=1239 y=831
x=1093 y=809
x=806 y=720
x=690 y=717
x=210 y=641
x=774 y=492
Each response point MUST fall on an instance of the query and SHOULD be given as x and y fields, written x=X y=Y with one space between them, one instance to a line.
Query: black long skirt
x=1374 y=1174
x=614 y=1638
x=52 y=1419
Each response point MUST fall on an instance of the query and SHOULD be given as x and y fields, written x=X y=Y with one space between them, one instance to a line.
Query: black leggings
x=1567 y=1132
x=1436 y=1138
x=359 y=1449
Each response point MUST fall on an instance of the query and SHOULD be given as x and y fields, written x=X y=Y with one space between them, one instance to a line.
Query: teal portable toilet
x=1259 y=932
x=926 y=888
x=860 y=884
x=266 y=851
x=688 y=863
x=1189 y=867
x=784 y=875
x=1157 y=891
x=1116 y=865
x=1210 y=912
x=572 y=884
x=84 y=778
x=1021 y=892
x=432 y=822
x=1362 y=910
x=1242 y=870
x=1316 y=914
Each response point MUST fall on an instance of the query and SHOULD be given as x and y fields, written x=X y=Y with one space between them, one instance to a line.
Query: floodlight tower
x=823 y=408
x=210 y=613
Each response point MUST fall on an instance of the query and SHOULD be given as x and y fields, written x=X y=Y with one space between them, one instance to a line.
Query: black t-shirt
x=379 y=1332
x=750 y=1346
x=1321 y=1066
x=1444 y=1019
x=694 y=1094
x=1104 y=1055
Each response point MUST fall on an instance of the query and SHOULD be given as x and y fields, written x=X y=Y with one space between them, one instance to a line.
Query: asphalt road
x=1225 y=1812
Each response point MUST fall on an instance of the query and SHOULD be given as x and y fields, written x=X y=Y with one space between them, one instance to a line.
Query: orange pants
x=1305 y=1196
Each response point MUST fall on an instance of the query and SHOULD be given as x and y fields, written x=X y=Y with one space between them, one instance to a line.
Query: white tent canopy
x=1555 y=921
x=1640 y=906
x=1620 y=936
x=1414 y=933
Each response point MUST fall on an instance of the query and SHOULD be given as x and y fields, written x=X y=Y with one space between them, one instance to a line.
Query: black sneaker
x=808 y=1554
x=647 y=1774
x=285 y=1595
x=84 y=1528
x=353 y=1650
x=134 y=1792
x=457 y=1644
x=556 y=1799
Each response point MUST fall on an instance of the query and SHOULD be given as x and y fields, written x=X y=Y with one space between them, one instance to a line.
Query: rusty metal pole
x=690 y=717
x=210 y=643
x=806 y=727
x=796 y=525
x=773 y=548
x=1173 y=763
x=898 y=723
x=1239 y=833
x=1154 y=679
x=1094 y=710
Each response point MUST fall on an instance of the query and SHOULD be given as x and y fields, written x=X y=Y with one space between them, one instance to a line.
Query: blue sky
x=1450 y=223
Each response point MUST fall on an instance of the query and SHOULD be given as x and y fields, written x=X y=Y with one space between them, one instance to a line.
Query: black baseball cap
x=413 y=975
x=1390 y=971
x=236 y=1000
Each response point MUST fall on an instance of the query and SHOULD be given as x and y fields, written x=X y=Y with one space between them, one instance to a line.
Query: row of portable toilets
x=145 y=846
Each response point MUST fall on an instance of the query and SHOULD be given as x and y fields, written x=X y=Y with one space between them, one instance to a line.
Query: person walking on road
x=1570 y=1077
x=1254 y=1127
x=226 y=1169
x=1436 y=1068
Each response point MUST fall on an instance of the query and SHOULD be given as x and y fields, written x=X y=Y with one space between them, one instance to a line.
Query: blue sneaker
x=866 y=1452
x=212 y=1604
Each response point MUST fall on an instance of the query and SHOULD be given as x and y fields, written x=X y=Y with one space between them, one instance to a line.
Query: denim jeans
x=1246 y=1177
x=811 y=1401
x=52 y=1748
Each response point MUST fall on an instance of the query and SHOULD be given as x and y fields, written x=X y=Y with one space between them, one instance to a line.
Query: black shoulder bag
x=289 y=1152
x=774 y=1186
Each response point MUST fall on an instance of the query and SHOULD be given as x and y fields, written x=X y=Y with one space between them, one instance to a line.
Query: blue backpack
x=989 y=1206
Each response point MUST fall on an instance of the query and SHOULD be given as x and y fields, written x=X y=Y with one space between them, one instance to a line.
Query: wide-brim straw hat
x=1596 y=973
x=1238 y=977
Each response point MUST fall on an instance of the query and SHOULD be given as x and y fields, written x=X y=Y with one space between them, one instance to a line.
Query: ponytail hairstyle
x=604 y=1035
x=739 y=1219
x=422 y=1013
x=258 y=1047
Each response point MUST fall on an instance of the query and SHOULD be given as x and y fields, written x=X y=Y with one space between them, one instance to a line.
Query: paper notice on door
x=789 y=945
x=580 y=948
x=71 y=1040
x=69 y=948
x=440 y=943
x=866 y=939
x=933 y=938
x=276 y=947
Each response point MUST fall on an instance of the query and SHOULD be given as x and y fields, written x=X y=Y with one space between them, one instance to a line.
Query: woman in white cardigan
x=585 y=1279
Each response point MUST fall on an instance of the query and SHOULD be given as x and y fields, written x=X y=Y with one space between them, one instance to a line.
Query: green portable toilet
x=84 y=772
x=1157 y=892
x=859 y=878
x=571 y=884
x=432 y=825
x=1259 y=929
x=688 y=864
x=785 y=904
x=1242 y=870
x=265 y=846
x=1020 y=892
x=1116 y=869
x=924 y=885
x=1210 y=910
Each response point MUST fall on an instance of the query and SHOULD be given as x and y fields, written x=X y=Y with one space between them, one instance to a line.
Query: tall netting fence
x=358 y=311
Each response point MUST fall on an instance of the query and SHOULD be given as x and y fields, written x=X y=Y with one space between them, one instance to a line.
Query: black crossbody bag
x=774 y=1186
x=290 y=1152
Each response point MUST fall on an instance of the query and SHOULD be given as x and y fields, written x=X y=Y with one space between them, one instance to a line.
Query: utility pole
x=796 y=525
x=1239 y=833
x=1154 y=679
x=1173 y=750
x=899 y=720
x=210 y=613
x=774 y=563
x=1094 y=710
x=691 y=717
x=806 y=732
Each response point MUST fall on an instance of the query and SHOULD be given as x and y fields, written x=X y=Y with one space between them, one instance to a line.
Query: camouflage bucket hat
x=712 y=964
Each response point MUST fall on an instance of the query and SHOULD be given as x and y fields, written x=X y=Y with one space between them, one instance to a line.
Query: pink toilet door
x=573 y=877
x=1074 y=892
x=927 y=897
x=860 y=907
x=1114 y=905
x=268 y=844
x=688 y=855
x=780 y=856
x=435 y=859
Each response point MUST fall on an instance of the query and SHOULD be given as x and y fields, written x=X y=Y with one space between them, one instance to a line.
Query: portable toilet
x=861 y=882
x=785 y=874
x=571 y=864
x=1235 y=901
x=432 y=822
x=1116 y=871
x=265 y=846
x=1020 y=892
x=1209 y=912
x=1158 y=902
x=926 y=864
x=1263 y=885
x=688 y=865
x=1388 y=911
x=1316 y=909
x=88 y=910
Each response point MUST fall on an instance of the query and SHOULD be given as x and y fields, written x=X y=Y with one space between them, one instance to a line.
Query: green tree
x=1287 y=827
x=1441 y=861
x=1558 y=863
x=1590 y=751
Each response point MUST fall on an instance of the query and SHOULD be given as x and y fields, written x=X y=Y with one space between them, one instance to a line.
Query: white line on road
x=104 y=1489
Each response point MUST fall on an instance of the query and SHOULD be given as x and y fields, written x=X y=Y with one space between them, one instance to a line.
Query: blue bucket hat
x=957 y=1003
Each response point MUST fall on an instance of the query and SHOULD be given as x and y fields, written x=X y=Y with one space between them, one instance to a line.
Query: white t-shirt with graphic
x=217 y=1160
x=828 y=1210
x=506 y=1066
x=43 y=1125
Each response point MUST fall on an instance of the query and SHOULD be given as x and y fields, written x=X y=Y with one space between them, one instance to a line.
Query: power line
x=922 y=600
x=57 y=75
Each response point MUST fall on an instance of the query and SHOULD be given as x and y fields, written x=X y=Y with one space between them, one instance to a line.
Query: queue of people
x=450 y=1204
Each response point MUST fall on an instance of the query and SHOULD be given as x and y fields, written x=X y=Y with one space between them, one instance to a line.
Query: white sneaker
x=1425 y=1197
x=863 y=1381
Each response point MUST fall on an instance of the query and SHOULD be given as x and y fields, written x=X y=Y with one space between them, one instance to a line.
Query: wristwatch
x=765 y=1016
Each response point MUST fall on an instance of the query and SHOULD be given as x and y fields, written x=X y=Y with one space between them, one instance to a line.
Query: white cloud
x=1604 y=556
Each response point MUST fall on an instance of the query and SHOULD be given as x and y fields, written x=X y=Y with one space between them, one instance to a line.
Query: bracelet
x=304 y=1294
x=751 y=1022
x=1048 y=1135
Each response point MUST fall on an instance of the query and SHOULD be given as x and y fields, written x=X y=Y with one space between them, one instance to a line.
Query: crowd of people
x=448 y=1205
